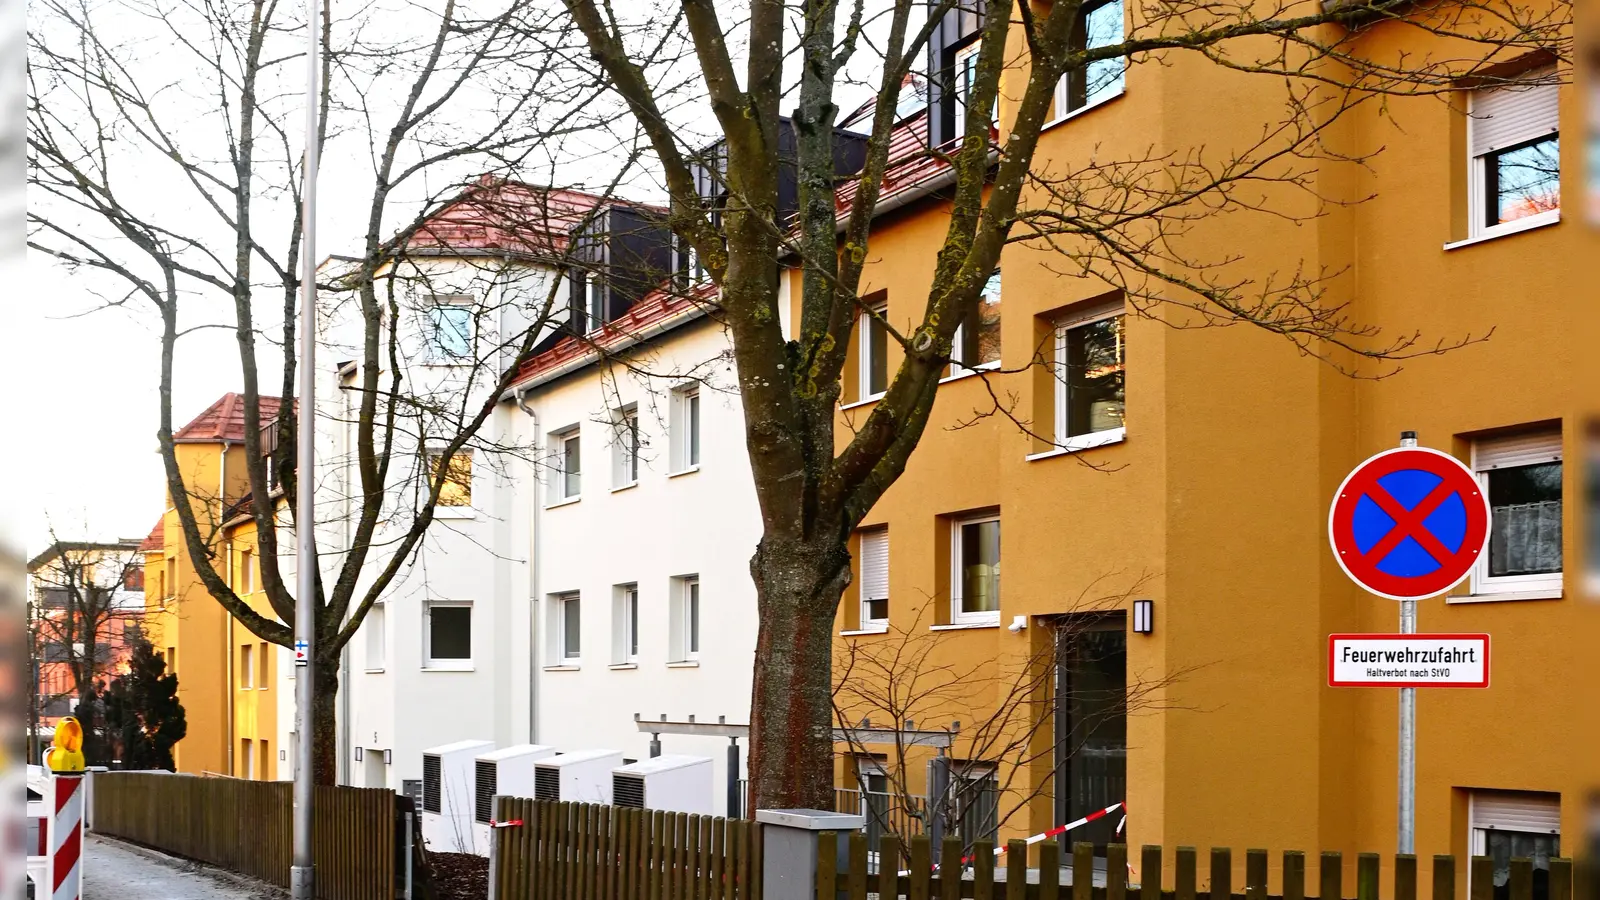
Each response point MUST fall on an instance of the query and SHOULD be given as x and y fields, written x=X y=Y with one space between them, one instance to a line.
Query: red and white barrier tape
x=1054 y=832
x=511 y=824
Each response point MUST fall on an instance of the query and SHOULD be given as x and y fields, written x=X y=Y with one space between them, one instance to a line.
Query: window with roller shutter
x=1514 y=154
x=1509 y=825
x=875 y=578
x=1522 y=476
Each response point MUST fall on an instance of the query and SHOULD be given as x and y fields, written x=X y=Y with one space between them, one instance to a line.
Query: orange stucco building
x=224 y=672
x=1193 y=468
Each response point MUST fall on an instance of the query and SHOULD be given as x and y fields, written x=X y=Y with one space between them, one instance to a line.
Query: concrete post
x=938 y=790
x=789 y=848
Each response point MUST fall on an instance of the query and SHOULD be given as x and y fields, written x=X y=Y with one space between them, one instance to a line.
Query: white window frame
x=626 y=442
x=1505 y=453
x=247 y=667
x=442 y=510
x=684 y=631
x=560 y=491
x=864 y=354
x=1058 y=107
x=1477 y=166
x=376 y=649
x=445 y=665
x=957 y=367
x=625 y=625
x=1098 y=313
x=437 y=355
x=687 y=418
x=963 y=85
x=594 y=303
x=874 y=540
x=565 y=605
x=957 y=586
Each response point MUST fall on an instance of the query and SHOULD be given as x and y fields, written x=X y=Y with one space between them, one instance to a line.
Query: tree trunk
x=325 y=723
x=798 y=585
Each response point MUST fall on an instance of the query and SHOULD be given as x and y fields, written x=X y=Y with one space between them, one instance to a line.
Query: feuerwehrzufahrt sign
x=1408 y=660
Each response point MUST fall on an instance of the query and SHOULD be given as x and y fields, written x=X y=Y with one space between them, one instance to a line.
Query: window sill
x=622 y=667
x=964 y=626
x=1082 y=442
x=689 y=471
x=862 y=402
x=454 y=512
x=624 y=487
x=866 y=629
x=563 y=668
x=1541 y=220
x=684 y=664
x=378 y=671
x=447 y=667
x=1544 y=594
x=559 y=503
x=965 y=372
x=1083 y=109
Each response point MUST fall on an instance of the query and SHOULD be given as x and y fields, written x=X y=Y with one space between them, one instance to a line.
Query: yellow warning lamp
x=66 y=751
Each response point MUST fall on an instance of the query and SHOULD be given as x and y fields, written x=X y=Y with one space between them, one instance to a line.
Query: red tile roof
x=224 y=420
x=660 y=305
x=157 y=538
x=497 y=214
x=909 y=167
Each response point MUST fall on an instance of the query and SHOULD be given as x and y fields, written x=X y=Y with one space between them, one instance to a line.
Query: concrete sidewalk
x=113 y=870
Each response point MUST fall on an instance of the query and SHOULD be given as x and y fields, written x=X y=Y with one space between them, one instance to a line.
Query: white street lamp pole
x=302 y=874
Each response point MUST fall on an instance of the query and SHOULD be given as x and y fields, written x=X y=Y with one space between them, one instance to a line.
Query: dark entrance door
x=1091 y=728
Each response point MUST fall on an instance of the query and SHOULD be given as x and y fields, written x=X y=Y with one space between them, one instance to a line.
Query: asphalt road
x=116 y=871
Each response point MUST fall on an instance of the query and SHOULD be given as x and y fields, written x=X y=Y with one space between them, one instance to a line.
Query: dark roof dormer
x=618 y=256
x=951 y=41
x=710 y=168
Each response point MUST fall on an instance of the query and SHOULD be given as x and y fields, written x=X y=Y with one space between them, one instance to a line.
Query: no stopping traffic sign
x=1409 y=523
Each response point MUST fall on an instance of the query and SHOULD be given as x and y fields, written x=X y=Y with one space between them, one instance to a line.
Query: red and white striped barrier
x=1055 y=832
x=66 y=836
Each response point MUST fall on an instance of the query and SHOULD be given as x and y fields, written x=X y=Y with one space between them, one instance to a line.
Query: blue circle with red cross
x=1409 y=523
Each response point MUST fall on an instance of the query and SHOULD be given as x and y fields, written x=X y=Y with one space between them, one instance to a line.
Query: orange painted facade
x=1214 y=504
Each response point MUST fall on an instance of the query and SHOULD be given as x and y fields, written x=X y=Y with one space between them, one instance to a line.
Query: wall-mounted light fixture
x=1144 y=616
x=358 y=754
x=388 y=757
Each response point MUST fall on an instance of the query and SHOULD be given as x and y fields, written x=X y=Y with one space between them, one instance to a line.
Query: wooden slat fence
x=582 y=851
x=247 y=827
x=914 y=876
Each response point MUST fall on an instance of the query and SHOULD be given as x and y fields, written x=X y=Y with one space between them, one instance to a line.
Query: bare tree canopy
x=85 y=609
x=776 y=107
x=165 y=162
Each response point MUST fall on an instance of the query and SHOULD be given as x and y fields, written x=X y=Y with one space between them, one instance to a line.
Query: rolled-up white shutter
x=1527 y=449
x=875 y=564
x=1505 y=116
x=1516 y=811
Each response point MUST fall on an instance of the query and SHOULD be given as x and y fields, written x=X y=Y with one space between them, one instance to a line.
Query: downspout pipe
x=534 y=651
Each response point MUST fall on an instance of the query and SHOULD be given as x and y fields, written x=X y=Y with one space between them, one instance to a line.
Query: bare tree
x=175 y=177
x=86 y=603
x=1106 y=218
x=1012 y=726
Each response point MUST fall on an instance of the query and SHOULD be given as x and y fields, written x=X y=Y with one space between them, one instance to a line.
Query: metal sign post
x=1407 y=829
x=1407 y=523
x=302 y=872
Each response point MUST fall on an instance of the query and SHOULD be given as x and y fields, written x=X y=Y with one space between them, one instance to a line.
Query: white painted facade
x=396 y=700
x=676 y=521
